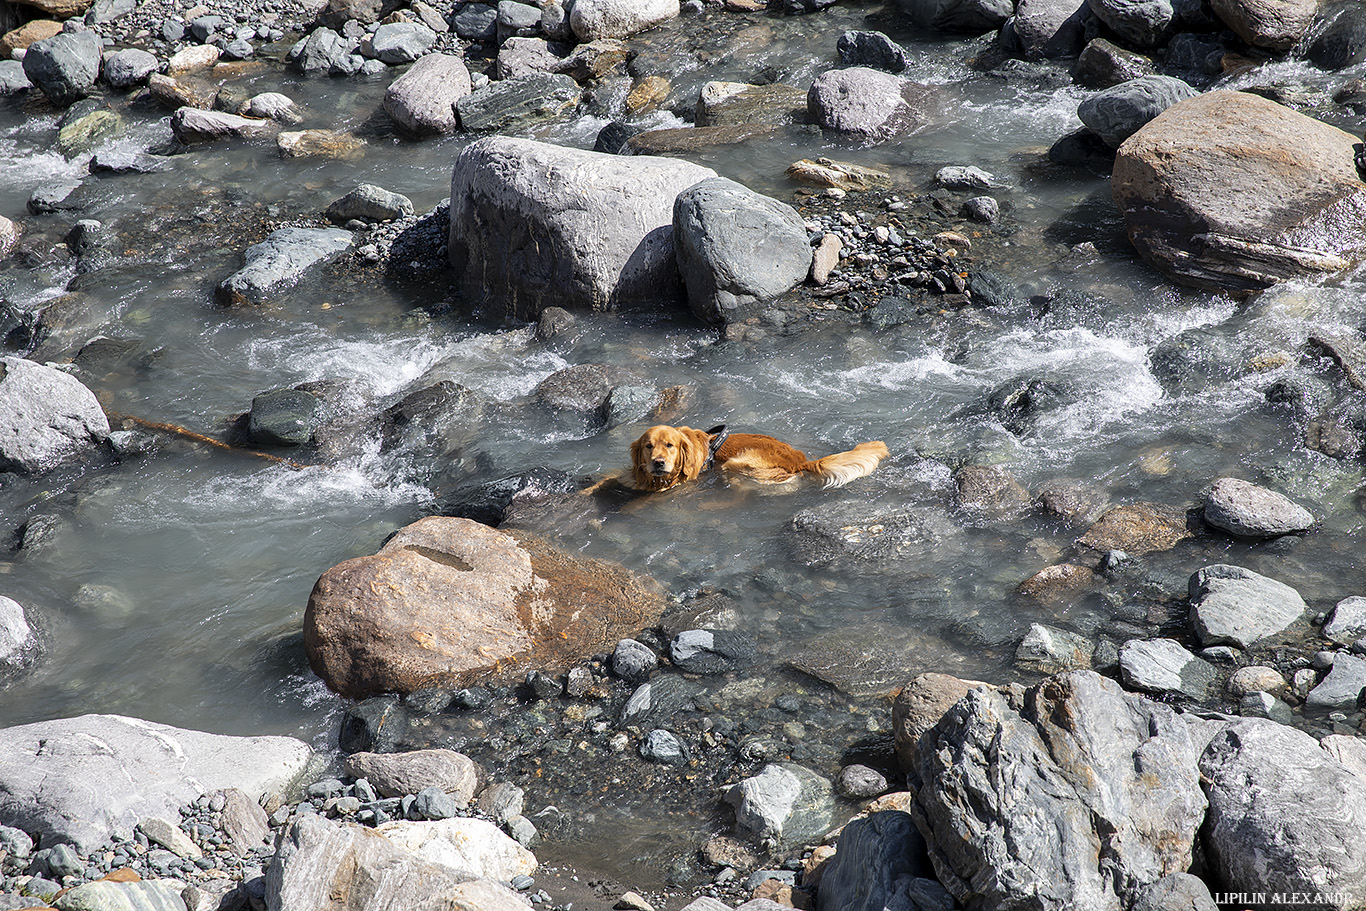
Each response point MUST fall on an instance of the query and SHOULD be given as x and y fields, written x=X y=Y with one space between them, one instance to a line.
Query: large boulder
x=1285 y=814
x=1116 y=113
x=46 y=416
x=1050 y=29
x=422 y=101
x=594 y=19
x=1138 y=23
x=881 y=858
x=65 y=66
x=1231 y=191
x=448 y=601
x=1232 y=605
x=736 y=248
x=1074 y=796
x=1273 y=24
x=55 y=776
x=868 y=103
x=535 y=225
x=971 y=16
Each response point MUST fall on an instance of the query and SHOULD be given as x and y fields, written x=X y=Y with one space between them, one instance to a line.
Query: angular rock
x=1341 y=689
x=26 y=35
x=401 y=774
x=785 y=802
x=1102 y=64
x=1050 y=29
x=192 y=126
x=593 y=59
x=167 y=834
x=1342 y=43
x=368 y=202
x=244 y=823
x=736 y=248
x=64 y=66
x=278 y=262
x=873 y=50
x=184 y=92
x=1234 y=606
x=1164 y=667
x=869 y=103
x=142 y=895
x=972 y=16
x=594 y=19
x=83 y=134
x=709 y=651
x=46 y=417
x=1272 y=24
x=53 y=774
x=468 y=848
x=13 y=80
x=1116 y=113
x=283 y=417
x=476 y=22
x=16 y=636
x=272 y=106
x=1073 y=798
x=525 y=57
x=129 y=67
x=448 y=600
x=1230 y=191
x=398 y=43
x=1347 y=623
x=517 y=20
x=336 y=13
x=918 y=707
x=535 y=225
x=1139 y=23
x=509 y=104
x=1046 y=650
x=323 y=51
x=1174 y=892
x=879 y=856
x=1253 y=512
x=1283 y=814
x=422 y=100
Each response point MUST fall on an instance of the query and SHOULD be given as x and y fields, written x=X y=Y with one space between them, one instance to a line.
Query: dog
x=665 y=456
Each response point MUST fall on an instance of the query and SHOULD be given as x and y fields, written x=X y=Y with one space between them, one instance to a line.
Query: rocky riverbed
x=1091 y=637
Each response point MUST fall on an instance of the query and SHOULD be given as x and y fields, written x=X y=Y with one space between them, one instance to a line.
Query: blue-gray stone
x=12 y=78
x=663 y=746
x=633 y=661
x=1116 y=113
x=278 y=262
x=476 y=22
x=66 y=65
x=433 y=803
x=401 y=42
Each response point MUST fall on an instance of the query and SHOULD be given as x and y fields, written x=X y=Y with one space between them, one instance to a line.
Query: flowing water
x=175 y=583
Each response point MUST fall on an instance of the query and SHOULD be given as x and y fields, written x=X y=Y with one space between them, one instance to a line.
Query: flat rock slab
x=278 y=262
x=1136 y=529
x=1341 y=689
x=1164 y=667
x=55 y=776
x=1245 y=509
x=1229 y=191
x=1234 y=606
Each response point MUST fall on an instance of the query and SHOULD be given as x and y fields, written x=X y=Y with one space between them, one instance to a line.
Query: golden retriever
x=665 y=456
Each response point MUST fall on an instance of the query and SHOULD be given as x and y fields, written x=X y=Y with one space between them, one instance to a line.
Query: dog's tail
x=842 y=467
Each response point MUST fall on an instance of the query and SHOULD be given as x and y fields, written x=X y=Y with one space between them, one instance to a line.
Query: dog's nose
x=658 y=464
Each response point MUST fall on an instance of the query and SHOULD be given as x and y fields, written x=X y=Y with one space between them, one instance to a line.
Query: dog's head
x=665 y=456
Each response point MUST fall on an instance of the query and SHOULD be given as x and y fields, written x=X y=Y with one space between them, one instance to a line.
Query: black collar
x=718 y=435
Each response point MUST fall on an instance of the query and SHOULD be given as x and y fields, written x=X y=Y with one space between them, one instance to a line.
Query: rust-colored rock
x=451 y=601
x=1057 y=582
x=918 y=707
x=61 y=9
x=1137 y=529
x=26 y=34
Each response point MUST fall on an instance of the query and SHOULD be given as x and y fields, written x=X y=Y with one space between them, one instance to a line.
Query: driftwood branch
x=186 y=433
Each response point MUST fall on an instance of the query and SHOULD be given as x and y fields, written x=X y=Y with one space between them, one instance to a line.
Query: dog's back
x=767 y=459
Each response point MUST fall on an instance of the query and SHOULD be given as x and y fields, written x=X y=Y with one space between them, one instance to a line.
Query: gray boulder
x=1074 y=795
x=1175 y=892
x=517 y=20
x=272 y=106
x=736 y=248
x=1245 y=509
x=874 y=50
x=16 y=636
x=868 y=103
x=283 y=417
x=401 y=774
x=278 y=262
x=1116 y=113
x=1164 y=667
x=1341 y=689
x=536 y=225
x=1234 y=606
x=1048 y=650
x=129 y=67
x=525 y=57
x=476 y=22
x=399 y=42
x=422 y=101
x=66 y=65
x=192 y=126
x=509 y=104
x=879 y=857
x=785 y=802
x=46 y=417
x=1050 y=29
x=1284 y=814
x=1103 y=64
x=1347 y=623
x=593 y=19
x=1342 y=42
x=368 y=202
x=55 y=775
x=323 y=51
x=1138 y=23
x=13 y=79
x=972 y=16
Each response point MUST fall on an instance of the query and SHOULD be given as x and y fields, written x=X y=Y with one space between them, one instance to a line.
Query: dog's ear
x=637 y=469
x=695 y=446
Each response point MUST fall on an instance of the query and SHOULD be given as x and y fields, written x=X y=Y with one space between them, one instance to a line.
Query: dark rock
x=283 y=417
x=971 y=16
x=874 y=50
x=514 y=103
x=491 y=502
x=1103 y=64
x=476 y=22
x=1342 y=42
x=1138 y=23
x=704 y=651
x=1050 y=29
x=1116 y=113
x=368 y=202
x=66 y=65
x=278 y=262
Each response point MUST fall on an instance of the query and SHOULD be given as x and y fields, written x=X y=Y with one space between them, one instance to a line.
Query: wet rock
x=593 y=60
x=663 y=747
x=1111 y=777
x=447 y=600
x=1058 y=583
x=1342 y=42
x=1245 y=509
x=825 y=258
x=278 y=262
x=1341 y=689
x=1347 y=623
x=1047 y=650
x=434 y=422
x=1116 y=113
x=272 y=106
x=633 y=661
x=129 y=67
x=192 y=126
x=64 y=66
x=971 y=16
x=867 y=103
x=47 y=770
x=1138 y=23
x=495 y=502
x=959 y=177
x=1136 y=529
x=283 y=417
x=582 y=388
x=989 y=489
x=736 y=248
x=176 y=93
x=610 y=217
x=16 y=636
x=879 y=858
x=593 y=19
x=1173 y=187
x=918 y=707
x=1164 y=667
x=738 y=103
x=1272 y=24
x=1283 y=813
x=982 y=209
x=13 y=80
x=401 y=774
x=476 y=22
x=873 y=50
x=1103 y=64
x=82 y=134
x=843 y=175
x=46 y=417
x=1234 y=606
x=852 y=535
x=333 y=144
x=509 y=104
x=711 y=651
x=785 y=802
x=368 y=202
x=654 y=704
x=502 y=801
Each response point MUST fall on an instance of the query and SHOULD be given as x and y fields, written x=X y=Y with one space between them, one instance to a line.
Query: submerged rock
x=785 y=802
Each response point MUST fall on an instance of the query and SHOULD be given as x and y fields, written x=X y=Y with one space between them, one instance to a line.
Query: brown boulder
x=918 y=707
x=1136 y=529
x=451 y=601
x=61 y=9
x=1272 y=24
x=1231 y=191
x=26 y=34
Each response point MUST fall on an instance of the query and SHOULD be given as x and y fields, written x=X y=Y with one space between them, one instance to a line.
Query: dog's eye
x=669 y=445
